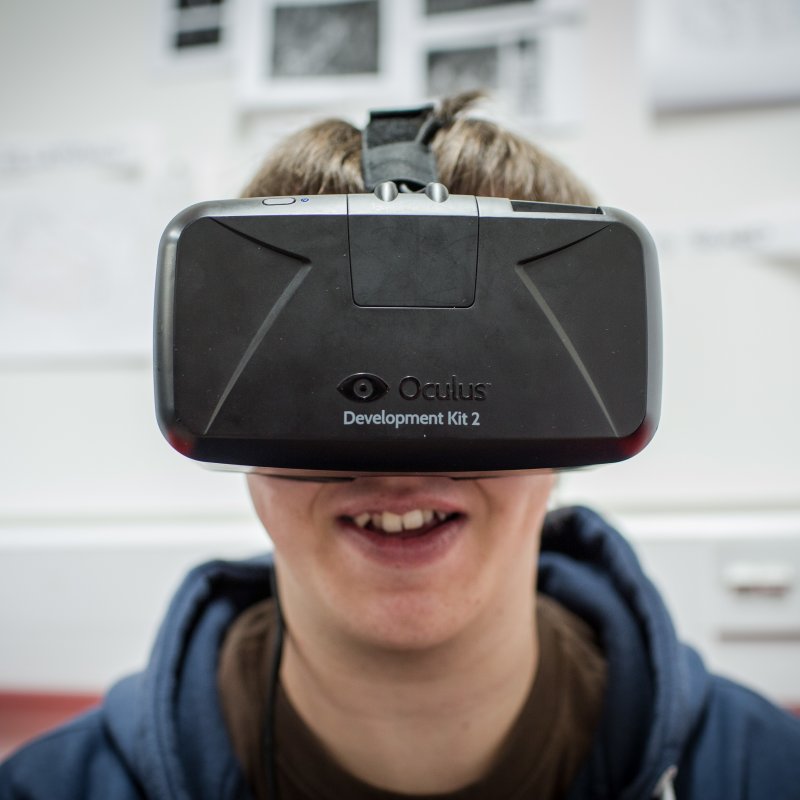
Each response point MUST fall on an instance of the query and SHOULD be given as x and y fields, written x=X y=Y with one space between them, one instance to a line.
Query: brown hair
x=474 y=156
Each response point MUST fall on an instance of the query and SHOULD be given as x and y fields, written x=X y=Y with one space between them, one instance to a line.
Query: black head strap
x=395 y=147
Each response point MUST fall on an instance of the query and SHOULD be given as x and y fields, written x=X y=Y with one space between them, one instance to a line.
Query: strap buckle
x=396 y=147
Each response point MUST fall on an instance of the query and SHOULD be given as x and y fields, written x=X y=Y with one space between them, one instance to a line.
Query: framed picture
x=449 y=6
x=522 y=10
x=308 y=52
x=532 y=70
x=193 y=34
x=511 y=69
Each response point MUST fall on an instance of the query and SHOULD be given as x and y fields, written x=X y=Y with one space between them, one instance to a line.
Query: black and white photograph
x=525 y=54
x=325 y=39
x=457 y=70
x=450 y=6
x=511 y=70
x=293 y=53
x=490 y=10
x=194 y=33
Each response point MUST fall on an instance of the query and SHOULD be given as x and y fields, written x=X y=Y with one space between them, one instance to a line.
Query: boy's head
x=407 y=562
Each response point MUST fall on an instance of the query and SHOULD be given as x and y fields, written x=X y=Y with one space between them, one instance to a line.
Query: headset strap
x=395 y=147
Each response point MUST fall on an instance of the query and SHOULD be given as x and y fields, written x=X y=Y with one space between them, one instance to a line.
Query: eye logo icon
x=363 y=387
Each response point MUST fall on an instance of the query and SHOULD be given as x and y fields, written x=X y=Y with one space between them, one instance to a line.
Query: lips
x=401 y=521
x=395 y=545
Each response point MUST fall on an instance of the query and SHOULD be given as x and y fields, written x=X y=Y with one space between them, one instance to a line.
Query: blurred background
x=115 y=115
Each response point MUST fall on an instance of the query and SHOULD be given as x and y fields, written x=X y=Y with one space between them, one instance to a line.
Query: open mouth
x=417 y=522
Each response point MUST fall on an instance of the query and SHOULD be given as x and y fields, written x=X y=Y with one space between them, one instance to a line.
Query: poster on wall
x=304 y=53
x=77 y=267
x=705 y=54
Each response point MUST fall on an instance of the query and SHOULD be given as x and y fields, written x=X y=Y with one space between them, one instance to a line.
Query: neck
x=445 y=709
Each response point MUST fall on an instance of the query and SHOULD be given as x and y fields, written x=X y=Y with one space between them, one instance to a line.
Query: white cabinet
x=732 y=583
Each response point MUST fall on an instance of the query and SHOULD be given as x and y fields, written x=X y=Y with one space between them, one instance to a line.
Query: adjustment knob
x=386 y=191
x=437 y=192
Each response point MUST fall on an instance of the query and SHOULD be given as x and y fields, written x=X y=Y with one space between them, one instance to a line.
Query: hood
x=656 y=686
x=154 y=718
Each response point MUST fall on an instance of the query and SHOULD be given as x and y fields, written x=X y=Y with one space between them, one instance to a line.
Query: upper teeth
x=394 y=523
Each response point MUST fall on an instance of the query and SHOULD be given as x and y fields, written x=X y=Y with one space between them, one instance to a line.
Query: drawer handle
x=777 y=636
x=765 y=579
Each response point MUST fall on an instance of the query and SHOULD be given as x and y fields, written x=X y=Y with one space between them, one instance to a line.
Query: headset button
x=437 y=192
x=278 y=201
x=386 y=191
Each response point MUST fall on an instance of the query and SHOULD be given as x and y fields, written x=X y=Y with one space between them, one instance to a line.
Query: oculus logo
x=363 y=387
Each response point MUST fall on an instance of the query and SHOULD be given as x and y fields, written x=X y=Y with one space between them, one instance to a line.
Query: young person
x=440 y=638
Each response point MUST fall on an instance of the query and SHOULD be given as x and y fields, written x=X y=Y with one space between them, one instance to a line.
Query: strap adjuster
x=395 y=147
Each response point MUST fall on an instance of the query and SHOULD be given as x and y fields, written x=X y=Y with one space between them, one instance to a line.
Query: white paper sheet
x=711 y=53
x=79 y=228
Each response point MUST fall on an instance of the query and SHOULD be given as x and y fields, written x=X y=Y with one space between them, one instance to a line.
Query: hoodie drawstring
x=665 y=788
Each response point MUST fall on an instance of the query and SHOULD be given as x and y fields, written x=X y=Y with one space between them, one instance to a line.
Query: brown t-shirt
x=540 y=757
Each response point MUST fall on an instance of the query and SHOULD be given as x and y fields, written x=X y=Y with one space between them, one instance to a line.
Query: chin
x=411 y=621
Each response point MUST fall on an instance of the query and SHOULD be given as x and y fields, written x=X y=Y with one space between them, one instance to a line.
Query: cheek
x=284 y=508
x=524 y=497
x=516 y=509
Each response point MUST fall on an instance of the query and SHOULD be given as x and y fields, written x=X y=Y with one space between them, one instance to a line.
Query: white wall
x=87 y=487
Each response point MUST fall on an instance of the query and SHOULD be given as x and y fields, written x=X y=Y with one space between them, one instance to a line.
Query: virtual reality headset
x=396 y=332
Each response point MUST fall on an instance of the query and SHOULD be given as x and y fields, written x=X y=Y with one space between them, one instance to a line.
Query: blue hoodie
x=668 y=729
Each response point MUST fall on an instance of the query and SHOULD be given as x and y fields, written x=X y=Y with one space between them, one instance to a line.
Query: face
x=402 y=561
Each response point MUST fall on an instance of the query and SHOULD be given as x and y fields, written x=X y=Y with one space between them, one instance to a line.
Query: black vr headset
x=406 y=330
